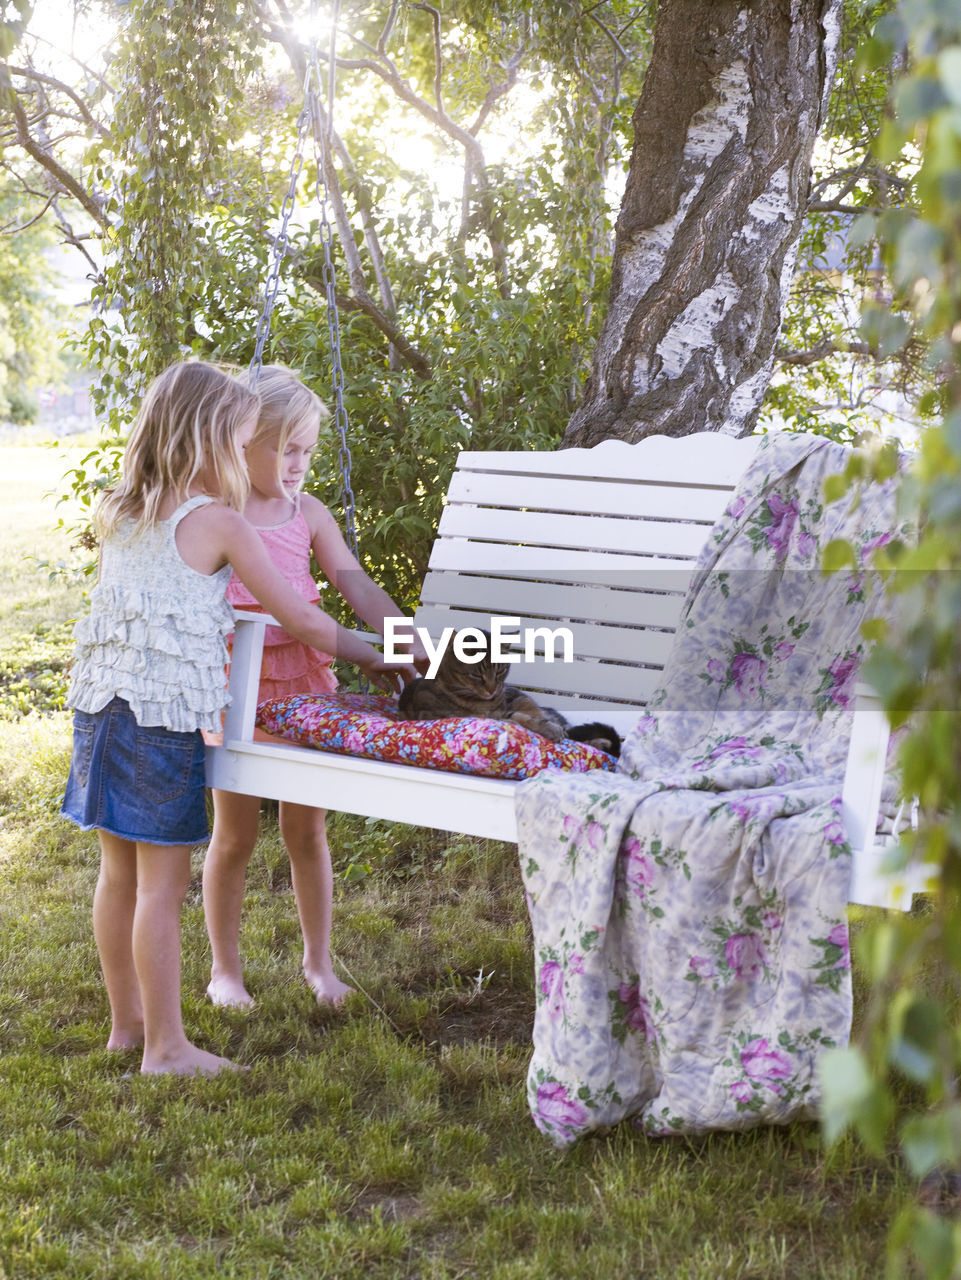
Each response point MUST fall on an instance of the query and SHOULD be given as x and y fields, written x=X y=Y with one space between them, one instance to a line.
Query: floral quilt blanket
x=688 y=910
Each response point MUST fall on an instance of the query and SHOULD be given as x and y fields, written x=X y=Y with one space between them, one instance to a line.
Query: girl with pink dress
x=293 y=526
x=288 y=666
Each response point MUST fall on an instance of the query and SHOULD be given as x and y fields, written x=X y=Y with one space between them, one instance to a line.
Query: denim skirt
x=145 y=785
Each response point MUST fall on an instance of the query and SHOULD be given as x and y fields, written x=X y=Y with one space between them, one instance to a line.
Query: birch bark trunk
x=707 y=235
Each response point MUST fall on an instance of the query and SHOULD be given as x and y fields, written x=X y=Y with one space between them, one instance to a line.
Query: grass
x=387 y=1139
x=39 y=579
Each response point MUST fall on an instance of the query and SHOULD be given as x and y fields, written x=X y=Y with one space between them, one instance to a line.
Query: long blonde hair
x=186 y=425
x=286 y=406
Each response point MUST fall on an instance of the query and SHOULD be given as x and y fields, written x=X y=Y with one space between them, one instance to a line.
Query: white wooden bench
x=599 y=540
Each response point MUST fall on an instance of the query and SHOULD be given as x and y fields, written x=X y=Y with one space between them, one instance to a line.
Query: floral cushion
x=358 y=724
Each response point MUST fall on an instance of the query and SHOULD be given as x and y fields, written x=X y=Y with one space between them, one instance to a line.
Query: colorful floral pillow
x=359 y=724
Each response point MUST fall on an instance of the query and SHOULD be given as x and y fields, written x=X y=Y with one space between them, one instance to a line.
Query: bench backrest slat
x=713 y=459
x=596 y=497
x=507 y=560
x=604 y=643
x=601 y=541
x=582 y=532
x=460 y=592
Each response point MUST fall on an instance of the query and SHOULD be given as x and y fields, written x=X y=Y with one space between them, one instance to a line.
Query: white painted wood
x=601 y=540
x=627 y=645
x=248 y=649
x=560 y=565
x=593 y=680
x=704 y=458
x=588 y=533
x=864 y=775
x=871 y=883
x=424 y=797
x=508 y=597
x=624 y=499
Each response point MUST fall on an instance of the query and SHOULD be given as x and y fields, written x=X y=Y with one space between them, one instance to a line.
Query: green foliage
x=33 y=672
x=163 y=169
x=851 y=365
x=40 y=592
x=31 y=317
x=497 y=283
x=914 y=961
x=14 y=15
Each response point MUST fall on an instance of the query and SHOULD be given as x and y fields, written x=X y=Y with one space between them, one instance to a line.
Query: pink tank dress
x=289 y=666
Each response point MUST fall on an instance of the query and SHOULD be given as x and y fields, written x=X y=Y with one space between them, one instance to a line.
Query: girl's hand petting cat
x=389 y=676
x=419 y=656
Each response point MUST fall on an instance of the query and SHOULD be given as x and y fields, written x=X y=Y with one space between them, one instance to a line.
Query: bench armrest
x=864 y=775
x=244 y=680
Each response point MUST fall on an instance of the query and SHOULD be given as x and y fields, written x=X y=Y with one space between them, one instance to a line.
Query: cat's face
x=481 y=681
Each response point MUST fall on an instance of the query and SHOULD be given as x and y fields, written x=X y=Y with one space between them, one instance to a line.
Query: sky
x=61 y=31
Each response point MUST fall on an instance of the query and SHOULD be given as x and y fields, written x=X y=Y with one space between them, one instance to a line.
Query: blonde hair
x=286 y=407
x=187 y=424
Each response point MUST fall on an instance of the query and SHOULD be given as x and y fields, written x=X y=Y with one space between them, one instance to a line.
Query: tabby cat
x=480 y=689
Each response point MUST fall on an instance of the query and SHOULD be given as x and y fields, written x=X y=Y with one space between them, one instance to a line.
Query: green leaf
x=835 y=487
x=864 y=230
x=916 y=1025
x=875 y=629
x=848 y=1092
x=838 y=554
x=933 y=1141
x=935 y=1243
x=918 y=254
x=949 y=72
x=916 y=97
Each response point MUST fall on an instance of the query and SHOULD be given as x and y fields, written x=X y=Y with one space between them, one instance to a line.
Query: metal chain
x=279 y=248
x=310 y=119
x=321 y=141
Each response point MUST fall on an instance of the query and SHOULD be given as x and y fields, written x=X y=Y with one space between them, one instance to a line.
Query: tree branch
x=366 y=306
x=66 y=181
x=70 y=237
x=11 y=230
x=803 y=359
x=619 y=48
x=371 y=239
x=29 y=74
x=91 y=72
x=838 y=206
x=498 y=90
x=360 y=300
x=392 y=77
x=438 y=54
x=387 y=29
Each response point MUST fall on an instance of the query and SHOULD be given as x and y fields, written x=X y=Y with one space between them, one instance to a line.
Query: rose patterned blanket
x=688 y=910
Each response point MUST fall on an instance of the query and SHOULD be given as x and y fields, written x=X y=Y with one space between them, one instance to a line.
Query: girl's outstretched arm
x=213 y=535
x=370 y=602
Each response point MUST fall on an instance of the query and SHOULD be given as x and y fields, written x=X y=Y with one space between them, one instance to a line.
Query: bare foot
x=189 y=1061
x=229 y=993
x=125 y=1038
x=328 y=988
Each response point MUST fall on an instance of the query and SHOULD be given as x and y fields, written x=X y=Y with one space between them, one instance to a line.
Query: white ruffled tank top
x=156 y=632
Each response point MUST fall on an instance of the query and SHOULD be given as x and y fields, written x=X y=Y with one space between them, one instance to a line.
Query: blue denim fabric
x=140 y=784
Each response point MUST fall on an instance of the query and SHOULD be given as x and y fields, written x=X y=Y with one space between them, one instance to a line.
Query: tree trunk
x=707 y=234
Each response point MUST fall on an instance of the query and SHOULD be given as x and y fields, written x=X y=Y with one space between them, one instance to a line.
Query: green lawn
x=387 y=1139
x=40 y=581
